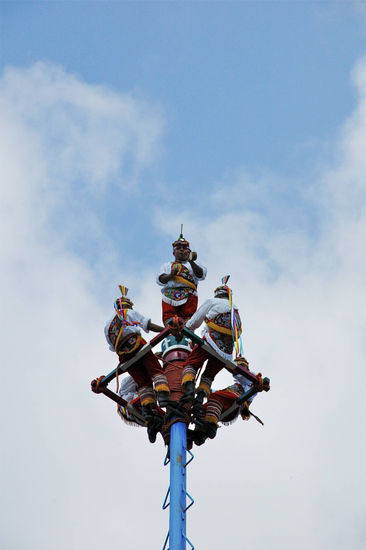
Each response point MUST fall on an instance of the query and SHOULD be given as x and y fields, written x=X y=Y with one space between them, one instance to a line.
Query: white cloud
x=298 y=265
x=62 y=141
x=65 y=146
x=87 y=132
x=75 y=477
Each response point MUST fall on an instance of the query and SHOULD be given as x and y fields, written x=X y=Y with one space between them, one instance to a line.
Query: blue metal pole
x=177 y=510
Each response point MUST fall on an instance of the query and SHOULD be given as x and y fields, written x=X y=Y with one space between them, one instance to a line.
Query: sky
x=246 y=122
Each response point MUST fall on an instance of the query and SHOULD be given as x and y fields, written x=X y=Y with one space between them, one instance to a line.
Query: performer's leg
x=212 y=411
x=155 y=420
x=212 y=368
x=189 y=308
x=214 y=408
x=144 y=385
x=185 y=311
x=153 y=417
x=218 y=403
x=142 y=379
x=200 y=433
x=194 y=361
x=146 y=393
x=168 y=311
x=156 y=374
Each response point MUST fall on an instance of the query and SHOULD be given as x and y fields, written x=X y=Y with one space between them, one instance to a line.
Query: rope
x=117 y=386
x=174 y=365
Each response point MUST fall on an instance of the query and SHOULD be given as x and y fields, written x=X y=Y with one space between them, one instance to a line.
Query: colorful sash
x=222 y=322
x=183 y=275
x=177 y=296
x=116 y=329
x=220 y=330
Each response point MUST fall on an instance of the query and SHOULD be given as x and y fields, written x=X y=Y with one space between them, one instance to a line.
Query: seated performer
x=218 y=403
x=179 y=280
x=124 y=337
x=219 y=333
x=128 y=392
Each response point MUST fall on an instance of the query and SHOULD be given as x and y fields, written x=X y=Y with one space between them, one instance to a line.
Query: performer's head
x=240 y=360
x=123 y=302
x=222 y=292
x=181 y=249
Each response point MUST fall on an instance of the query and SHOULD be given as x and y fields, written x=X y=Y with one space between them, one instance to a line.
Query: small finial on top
x=181 y=241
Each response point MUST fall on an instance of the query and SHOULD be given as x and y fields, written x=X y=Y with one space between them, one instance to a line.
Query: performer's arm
x=165 y=277
x=106 y=329
x=197 y=318
x=197 y=270
x=144 y=322
x=154 y=327
x=166 y=274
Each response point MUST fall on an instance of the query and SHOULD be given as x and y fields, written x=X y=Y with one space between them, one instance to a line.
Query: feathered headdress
x=223 y=289
x=122 y=303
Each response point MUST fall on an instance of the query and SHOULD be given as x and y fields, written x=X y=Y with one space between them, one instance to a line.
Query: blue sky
x=246 y=121
x=260 y=87
x=238 y=71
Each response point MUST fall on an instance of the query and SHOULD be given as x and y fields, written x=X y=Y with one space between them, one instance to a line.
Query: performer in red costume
x=179 y=280
x=217 y=313
x=128 y=392
x=220 y=402
x=123 y=335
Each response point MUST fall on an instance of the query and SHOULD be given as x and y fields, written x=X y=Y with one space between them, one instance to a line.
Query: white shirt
x=245 y=384
x=166 y=269
x=128 y=389
x=209 y=309
x=131 y=317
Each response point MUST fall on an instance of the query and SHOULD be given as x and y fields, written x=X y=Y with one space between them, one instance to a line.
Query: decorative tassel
x=128 y=421
x=229 y=422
